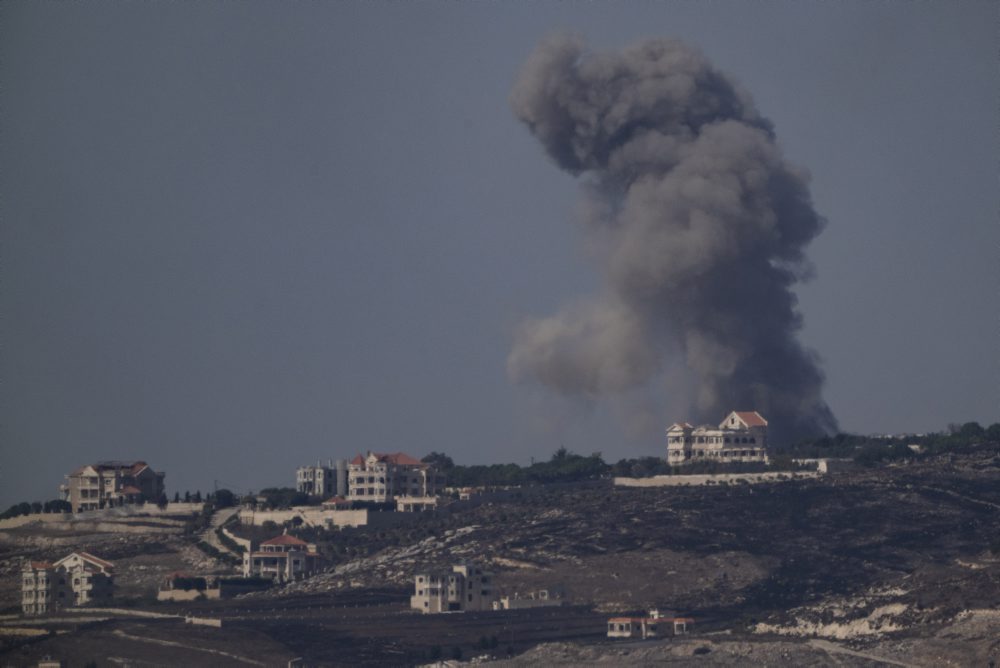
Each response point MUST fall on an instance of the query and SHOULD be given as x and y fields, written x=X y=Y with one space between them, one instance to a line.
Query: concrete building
x=112 y=483
x=283 y=558
x=77 y=579
x=466 y=587
x=320 y=480
x=380 y=478
x=416 y=504
x=542 y=598
x=40 y=591
x=740 y=437
x=653 y=626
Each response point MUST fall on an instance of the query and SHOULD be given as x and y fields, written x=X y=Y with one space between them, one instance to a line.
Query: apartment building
x=380 y=478
x=40 y=592
x=112 y=483
x=283 y=558
x=77 y=579
x=740 y=437
x=323 y=480
x=466 y=587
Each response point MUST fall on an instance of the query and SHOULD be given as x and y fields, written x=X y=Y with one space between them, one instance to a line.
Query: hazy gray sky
x=238 y=237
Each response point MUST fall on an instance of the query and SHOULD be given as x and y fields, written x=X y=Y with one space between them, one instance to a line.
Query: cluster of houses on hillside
x=386 y=478
x=372 y=477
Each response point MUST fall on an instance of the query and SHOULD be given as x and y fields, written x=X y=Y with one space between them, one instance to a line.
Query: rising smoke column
x=698 y=224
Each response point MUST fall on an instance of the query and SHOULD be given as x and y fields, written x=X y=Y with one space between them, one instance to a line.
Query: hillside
x=900 y=561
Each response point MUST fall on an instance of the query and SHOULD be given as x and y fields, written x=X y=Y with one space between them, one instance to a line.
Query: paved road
x=218 y=519
x=833 y=648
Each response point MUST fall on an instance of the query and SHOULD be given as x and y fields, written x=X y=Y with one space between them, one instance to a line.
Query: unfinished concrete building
x=466 y=587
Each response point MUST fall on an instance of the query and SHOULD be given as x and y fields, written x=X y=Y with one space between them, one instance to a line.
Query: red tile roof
x=403 y=459
x=130 y=489
x=752 y=418
x=284 y=539
x=41 y=565
x=97 y=560
x=110 y=465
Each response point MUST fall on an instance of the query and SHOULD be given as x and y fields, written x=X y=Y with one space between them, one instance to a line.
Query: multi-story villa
x=76 y=579
x=40 y=592
x=467 y=587
x=320 y=480
x=381 y=478
x=283 y=558
x=741 y=437
x=112 y=483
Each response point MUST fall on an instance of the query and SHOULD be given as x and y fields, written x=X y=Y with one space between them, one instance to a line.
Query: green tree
x=971 y=430
x=440 y=461
x=224 y=498
x=993 y=432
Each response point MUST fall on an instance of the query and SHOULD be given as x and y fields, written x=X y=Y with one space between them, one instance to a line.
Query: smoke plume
x=698 y=224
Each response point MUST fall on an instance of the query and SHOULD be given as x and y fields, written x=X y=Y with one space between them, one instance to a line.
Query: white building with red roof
x=112 y=483
x=283 y=558
x=381 y=478
x=740 y=437
x=654 y=625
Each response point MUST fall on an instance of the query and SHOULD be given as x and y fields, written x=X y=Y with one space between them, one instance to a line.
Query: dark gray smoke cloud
x=698 y=223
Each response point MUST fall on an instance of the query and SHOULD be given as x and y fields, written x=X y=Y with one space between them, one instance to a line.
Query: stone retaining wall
x=714 y=479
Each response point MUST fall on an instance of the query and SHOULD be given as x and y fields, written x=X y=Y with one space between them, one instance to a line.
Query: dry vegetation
x=895 y=562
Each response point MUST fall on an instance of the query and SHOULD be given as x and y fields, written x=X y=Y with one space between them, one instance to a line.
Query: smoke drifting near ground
x=698 y=224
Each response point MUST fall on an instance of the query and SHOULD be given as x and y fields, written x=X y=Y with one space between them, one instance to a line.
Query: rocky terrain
x=893 y=565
